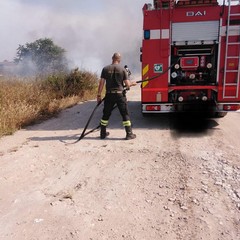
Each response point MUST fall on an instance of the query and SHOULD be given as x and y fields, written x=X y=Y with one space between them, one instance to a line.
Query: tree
x=41 y=56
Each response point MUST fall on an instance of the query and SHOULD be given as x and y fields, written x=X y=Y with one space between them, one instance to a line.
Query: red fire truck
x=190 y=56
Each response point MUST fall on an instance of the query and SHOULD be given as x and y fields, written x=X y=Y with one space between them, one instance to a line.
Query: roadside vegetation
x=40 y=85
x=24 y=101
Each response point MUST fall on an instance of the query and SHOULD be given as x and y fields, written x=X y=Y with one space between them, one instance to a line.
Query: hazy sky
x=90 y=31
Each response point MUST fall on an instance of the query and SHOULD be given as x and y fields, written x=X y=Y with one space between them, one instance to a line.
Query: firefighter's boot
x=103 y=132
x=130 y=135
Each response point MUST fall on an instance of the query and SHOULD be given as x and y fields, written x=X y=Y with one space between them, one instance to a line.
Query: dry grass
x=25 y=101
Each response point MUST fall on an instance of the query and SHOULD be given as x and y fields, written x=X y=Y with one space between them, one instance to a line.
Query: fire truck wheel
x=220 y=114
x=146 y=115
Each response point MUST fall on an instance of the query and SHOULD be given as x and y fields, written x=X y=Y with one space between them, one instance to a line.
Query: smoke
x=92 y=36
x=90 y=31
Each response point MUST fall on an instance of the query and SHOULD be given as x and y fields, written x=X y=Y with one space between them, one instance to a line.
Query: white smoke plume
x=90 y=31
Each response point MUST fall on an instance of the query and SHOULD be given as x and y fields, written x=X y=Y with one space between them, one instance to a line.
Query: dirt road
x=179 y=180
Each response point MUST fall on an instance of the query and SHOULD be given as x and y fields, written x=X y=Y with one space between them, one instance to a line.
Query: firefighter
x=116 y=79
x=128 y=71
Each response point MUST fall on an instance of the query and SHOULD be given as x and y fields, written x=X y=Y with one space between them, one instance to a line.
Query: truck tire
x=220 y=114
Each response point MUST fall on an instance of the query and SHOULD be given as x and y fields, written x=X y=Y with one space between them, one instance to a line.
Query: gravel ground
x=178 y=180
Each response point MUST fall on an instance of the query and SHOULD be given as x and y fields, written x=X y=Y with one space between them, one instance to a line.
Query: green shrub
x=69 y=84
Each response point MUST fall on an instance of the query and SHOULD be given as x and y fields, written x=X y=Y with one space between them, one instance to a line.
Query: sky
x=90 y=31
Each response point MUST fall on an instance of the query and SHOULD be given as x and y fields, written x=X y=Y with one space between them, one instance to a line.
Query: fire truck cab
x=190 y=56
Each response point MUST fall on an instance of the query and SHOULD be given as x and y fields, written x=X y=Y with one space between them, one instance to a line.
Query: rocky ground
x=179 y=180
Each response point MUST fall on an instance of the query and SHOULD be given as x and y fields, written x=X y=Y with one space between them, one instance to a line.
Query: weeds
x=74 y=83
x=25 y=101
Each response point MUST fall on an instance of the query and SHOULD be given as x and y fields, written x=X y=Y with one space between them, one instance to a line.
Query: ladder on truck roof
x=195 y=2
x=182 y=3
x=159 y=4
x=229 y=42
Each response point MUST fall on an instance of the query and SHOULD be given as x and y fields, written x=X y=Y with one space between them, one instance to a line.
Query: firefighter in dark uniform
x=116 y=79
x=128 y=71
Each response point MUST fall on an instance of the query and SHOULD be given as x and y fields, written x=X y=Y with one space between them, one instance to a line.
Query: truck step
x=231 y=84
x=233 y=57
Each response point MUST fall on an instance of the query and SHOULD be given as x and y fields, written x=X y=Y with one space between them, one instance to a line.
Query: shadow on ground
x=75 y=118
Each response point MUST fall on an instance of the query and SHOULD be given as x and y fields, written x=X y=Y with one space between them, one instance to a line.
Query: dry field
x=24 y=101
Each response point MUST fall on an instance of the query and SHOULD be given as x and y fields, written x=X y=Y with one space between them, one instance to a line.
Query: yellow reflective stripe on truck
x=145 y=75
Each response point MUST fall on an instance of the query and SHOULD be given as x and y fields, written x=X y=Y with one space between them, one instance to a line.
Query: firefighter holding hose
x=116 y=79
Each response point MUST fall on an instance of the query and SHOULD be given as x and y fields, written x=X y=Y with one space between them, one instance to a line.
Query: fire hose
x=84 y=133
x=152 y=78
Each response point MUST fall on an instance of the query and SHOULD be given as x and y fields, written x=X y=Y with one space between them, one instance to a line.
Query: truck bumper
x=154 y=108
